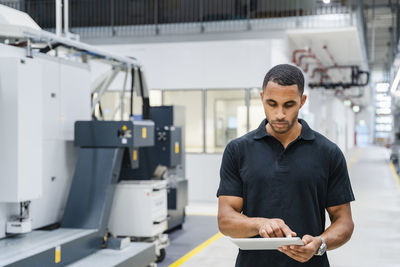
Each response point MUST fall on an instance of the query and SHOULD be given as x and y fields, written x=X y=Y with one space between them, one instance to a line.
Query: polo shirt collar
x=306 y=132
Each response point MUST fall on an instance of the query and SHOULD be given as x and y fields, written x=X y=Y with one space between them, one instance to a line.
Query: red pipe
x=317 y=70
x=325 y=47
x=295 y=52
x=305 y=56
x=313 y=56
x=306 y=68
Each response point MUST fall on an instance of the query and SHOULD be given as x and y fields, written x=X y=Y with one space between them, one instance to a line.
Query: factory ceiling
x=382 y=33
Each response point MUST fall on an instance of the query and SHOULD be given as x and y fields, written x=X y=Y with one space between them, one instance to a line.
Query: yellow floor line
x=196 y=250
x=354 y=159
x=395 y=175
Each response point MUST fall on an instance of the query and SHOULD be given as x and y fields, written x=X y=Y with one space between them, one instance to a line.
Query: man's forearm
x=338 y=233
x=237 y=225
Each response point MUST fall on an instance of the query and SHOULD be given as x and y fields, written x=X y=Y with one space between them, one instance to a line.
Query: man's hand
x=303 y=253
x=274 y=228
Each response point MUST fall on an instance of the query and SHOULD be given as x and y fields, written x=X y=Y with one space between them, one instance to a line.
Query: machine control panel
x=114 y=134
x=104 y=134
x=124 y=133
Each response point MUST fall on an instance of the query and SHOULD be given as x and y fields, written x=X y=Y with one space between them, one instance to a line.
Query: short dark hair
x=285 y=75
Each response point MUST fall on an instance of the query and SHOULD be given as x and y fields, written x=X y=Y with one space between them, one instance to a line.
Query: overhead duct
x=357 y=78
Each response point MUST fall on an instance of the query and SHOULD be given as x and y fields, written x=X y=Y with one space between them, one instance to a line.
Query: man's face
x=282 y=105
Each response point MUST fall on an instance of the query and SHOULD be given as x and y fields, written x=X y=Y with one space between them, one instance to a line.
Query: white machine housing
x=139 y=209
x=40 y=100
x=21 y=133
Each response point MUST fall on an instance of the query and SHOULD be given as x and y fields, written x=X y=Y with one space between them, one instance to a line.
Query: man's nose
x=280 y=115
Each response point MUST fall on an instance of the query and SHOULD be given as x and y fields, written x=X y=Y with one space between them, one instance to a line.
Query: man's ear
x=303 y=100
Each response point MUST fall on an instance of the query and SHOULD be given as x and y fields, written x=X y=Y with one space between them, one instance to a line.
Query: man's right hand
x=233 y=223
x=274 y=228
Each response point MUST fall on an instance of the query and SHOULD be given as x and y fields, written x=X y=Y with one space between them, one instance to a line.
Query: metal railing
x=92 y=13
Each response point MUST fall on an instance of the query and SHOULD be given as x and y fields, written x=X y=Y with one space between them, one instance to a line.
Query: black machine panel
x=104 y=134
x=114 y=133
x=167 y=149
x=162 y=116
x=168 y=145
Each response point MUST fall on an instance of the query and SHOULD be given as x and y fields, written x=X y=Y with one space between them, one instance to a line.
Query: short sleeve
x=230 y=181
x=339 y=187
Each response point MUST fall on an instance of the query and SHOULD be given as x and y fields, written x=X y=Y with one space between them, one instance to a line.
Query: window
x=225 y=112
x=192 y=101
x=256 y=109
x=155 y=98
x=110 y=106
x=226 y=117
x=383 y=118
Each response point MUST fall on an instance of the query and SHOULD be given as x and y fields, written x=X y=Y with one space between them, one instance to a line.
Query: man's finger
x=263 y=233
x=298 y=249
x=270 y=231
x=277 y=230
x=287 y=232
x=295 y=250
x=307 y=239
x=292 y=254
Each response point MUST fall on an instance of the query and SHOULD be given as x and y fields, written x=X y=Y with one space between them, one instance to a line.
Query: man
x=278 y=180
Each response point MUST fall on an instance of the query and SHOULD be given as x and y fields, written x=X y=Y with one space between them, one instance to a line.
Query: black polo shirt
x=295 y=184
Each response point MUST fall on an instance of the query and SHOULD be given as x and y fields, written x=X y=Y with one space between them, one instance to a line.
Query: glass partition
x=191 y=100
x=226 y=118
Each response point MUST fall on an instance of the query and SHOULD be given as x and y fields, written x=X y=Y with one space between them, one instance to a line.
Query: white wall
x=330 y=117
x=202 y=171
x=207 y=64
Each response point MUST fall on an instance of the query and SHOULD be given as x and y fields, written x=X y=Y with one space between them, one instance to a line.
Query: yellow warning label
x=144 y=132
x=176 y=148
x=57 y=255
x=124 y=128
x=134 y=154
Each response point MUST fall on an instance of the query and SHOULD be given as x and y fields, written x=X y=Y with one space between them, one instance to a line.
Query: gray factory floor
x=376 y=212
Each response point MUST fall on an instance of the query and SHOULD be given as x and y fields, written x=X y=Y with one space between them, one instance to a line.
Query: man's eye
x=289 y=105
x=272 y=104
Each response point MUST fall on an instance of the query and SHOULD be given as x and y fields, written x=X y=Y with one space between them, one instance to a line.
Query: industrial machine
x=165 y=160
x=60 y=164
x=139 y=212
x=139 y=209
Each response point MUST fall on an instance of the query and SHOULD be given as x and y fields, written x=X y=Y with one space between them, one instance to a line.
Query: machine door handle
x=158 y=222
x=159 y=189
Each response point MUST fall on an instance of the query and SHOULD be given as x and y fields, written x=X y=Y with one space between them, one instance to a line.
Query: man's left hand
x=303 y=253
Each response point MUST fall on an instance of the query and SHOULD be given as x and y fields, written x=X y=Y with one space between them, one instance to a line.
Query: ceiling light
x=356 y=108
x=395 y=82
x=347 y=103
x=326 y=1
x=382 y=87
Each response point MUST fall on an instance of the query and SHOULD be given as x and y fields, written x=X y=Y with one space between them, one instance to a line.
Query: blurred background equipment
x=61 y=161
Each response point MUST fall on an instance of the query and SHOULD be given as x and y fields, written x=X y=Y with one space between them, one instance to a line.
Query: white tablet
x=265 y=243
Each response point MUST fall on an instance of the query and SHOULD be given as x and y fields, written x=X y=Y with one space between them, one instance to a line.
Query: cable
x=132 y=88
x=146 y=100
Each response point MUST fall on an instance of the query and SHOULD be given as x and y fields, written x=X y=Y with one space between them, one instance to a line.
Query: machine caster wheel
x=161 y=257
